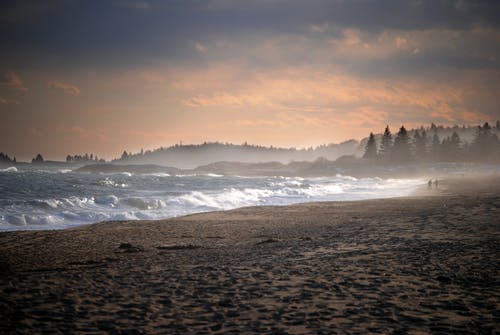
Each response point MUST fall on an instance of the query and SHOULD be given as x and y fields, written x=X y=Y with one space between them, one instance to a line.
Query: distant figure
x=436 y=183
x=429 y=184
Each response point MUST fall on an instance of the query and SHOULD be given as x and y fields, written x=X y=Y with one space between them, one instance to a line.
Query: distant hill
x=195 y=155
x=191 y=156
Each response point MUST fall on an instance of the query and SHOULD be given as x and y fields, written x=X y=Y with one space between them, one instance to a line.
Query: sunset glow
x=104 y=76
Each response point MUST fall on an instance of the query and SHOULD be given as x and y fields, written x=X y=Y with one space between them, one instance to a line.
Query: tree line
x=86 y=158
x=83 y=158
x=429 y=147
x=4 y=158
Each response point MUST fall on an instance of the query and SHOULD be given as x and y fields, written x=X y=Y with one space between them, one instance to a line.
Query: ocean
x=50 y=198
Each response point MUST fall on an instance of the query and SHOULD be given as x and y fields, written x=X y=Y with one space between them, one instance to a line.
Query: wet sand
x=422 y=264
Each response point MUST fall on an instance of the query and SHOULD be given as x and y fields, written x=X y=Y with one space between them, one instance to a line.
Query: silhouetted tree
x=371 y=148
x=450 y=148
x=420 y=142
x=454 y=146
x=485 y=144
x=38 y=159
x=386 y=144
x=435 y=147
x=401 y=150
x=124 y=154
x=4 y=158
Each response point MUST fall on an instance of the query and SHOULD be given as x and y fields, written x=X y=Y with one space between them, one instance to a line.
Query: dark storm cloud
x=120 y=33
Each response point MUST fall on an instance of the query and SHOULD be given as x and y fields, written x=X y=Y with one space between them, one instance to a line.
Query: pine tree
x=485 y=144
x=421 y=145
x=401 y=150
x=436 y=147
x=371 y=148
x=416 y=139
x=38 y=159
x=450 y=148
x=454 y=146
x=386 y=144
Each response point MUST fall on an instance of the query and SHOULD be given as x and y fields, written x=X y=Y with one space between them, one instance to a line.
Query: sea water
x=32 y=198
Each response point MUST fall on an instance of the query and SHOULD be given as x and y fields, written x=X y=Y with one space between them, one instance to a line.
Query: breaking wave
x=47 y=200
x=10 y=169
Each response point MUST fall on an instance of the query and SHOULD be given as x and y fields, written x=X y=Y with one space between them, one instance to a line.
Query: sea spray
x=36 y=199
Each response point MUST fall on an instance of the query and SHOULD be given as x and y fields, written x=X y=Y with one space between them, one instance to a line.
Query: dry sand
x=416 y=265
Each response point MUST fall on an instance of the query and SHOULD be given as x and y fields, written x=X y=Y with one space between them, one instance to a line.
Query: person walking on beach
x=429 y=184
x=436 y=183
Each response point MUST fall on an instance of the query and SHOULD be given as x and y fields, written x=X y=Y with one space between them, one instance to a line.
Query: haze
x=108 y=76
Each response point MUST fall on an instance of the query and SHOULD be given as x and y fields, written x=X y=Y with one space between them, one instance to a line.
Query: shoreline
x=56 y=214
x=420 y=191
x=413 y=264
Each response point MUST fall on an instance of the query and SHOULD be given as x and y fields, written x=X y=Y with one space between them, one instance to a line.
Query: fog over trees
x=451 y=144
x=434 y=143
x=431 y=144
x=4 y=158
x=190 y=156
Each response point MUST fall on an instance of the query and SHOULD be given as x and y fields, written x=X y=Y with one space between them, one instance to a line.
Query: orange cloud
x=13 y=80
x=325 y=104
x=309 y=91
x=68 y=88
x=225 y=99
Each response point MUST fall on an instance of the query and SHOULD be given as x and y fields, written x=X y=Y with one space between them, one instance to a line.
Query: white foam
x=144 y=204
x=52 y=203
x=78 y=202
x=109 y=200
x=10 y=169
x=213 y=175
x=159 y=174
x=112 y=183
x=65 y=170
x=169 y=199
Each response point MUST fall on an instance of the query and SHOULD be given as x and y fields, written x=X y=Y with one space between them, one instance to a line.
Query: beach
x=428 y=263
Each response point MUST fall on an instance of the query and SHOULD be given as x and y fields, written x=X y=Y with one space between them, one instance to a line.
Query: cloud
x=201 y=48
x=319 y=28
x=8 y=101
x=334 y=96
x=68 y=88
x=140 y=5
x=12 y=80
x=225 y=99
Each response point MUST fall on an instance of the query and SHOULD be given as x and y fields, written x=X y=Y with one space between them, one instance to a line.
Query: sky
x=107 y=76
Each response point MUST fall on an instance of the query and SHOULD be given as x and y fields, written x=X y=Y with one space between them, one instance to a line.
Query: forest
x=424 y=145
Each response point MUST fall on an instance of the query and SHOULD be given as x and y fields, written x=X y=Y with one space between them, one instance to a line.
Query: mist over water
x=58 y=198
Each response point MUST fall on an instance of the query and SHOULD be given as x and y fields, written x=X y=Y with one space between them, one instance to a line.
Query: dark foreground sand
x=426 y=264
